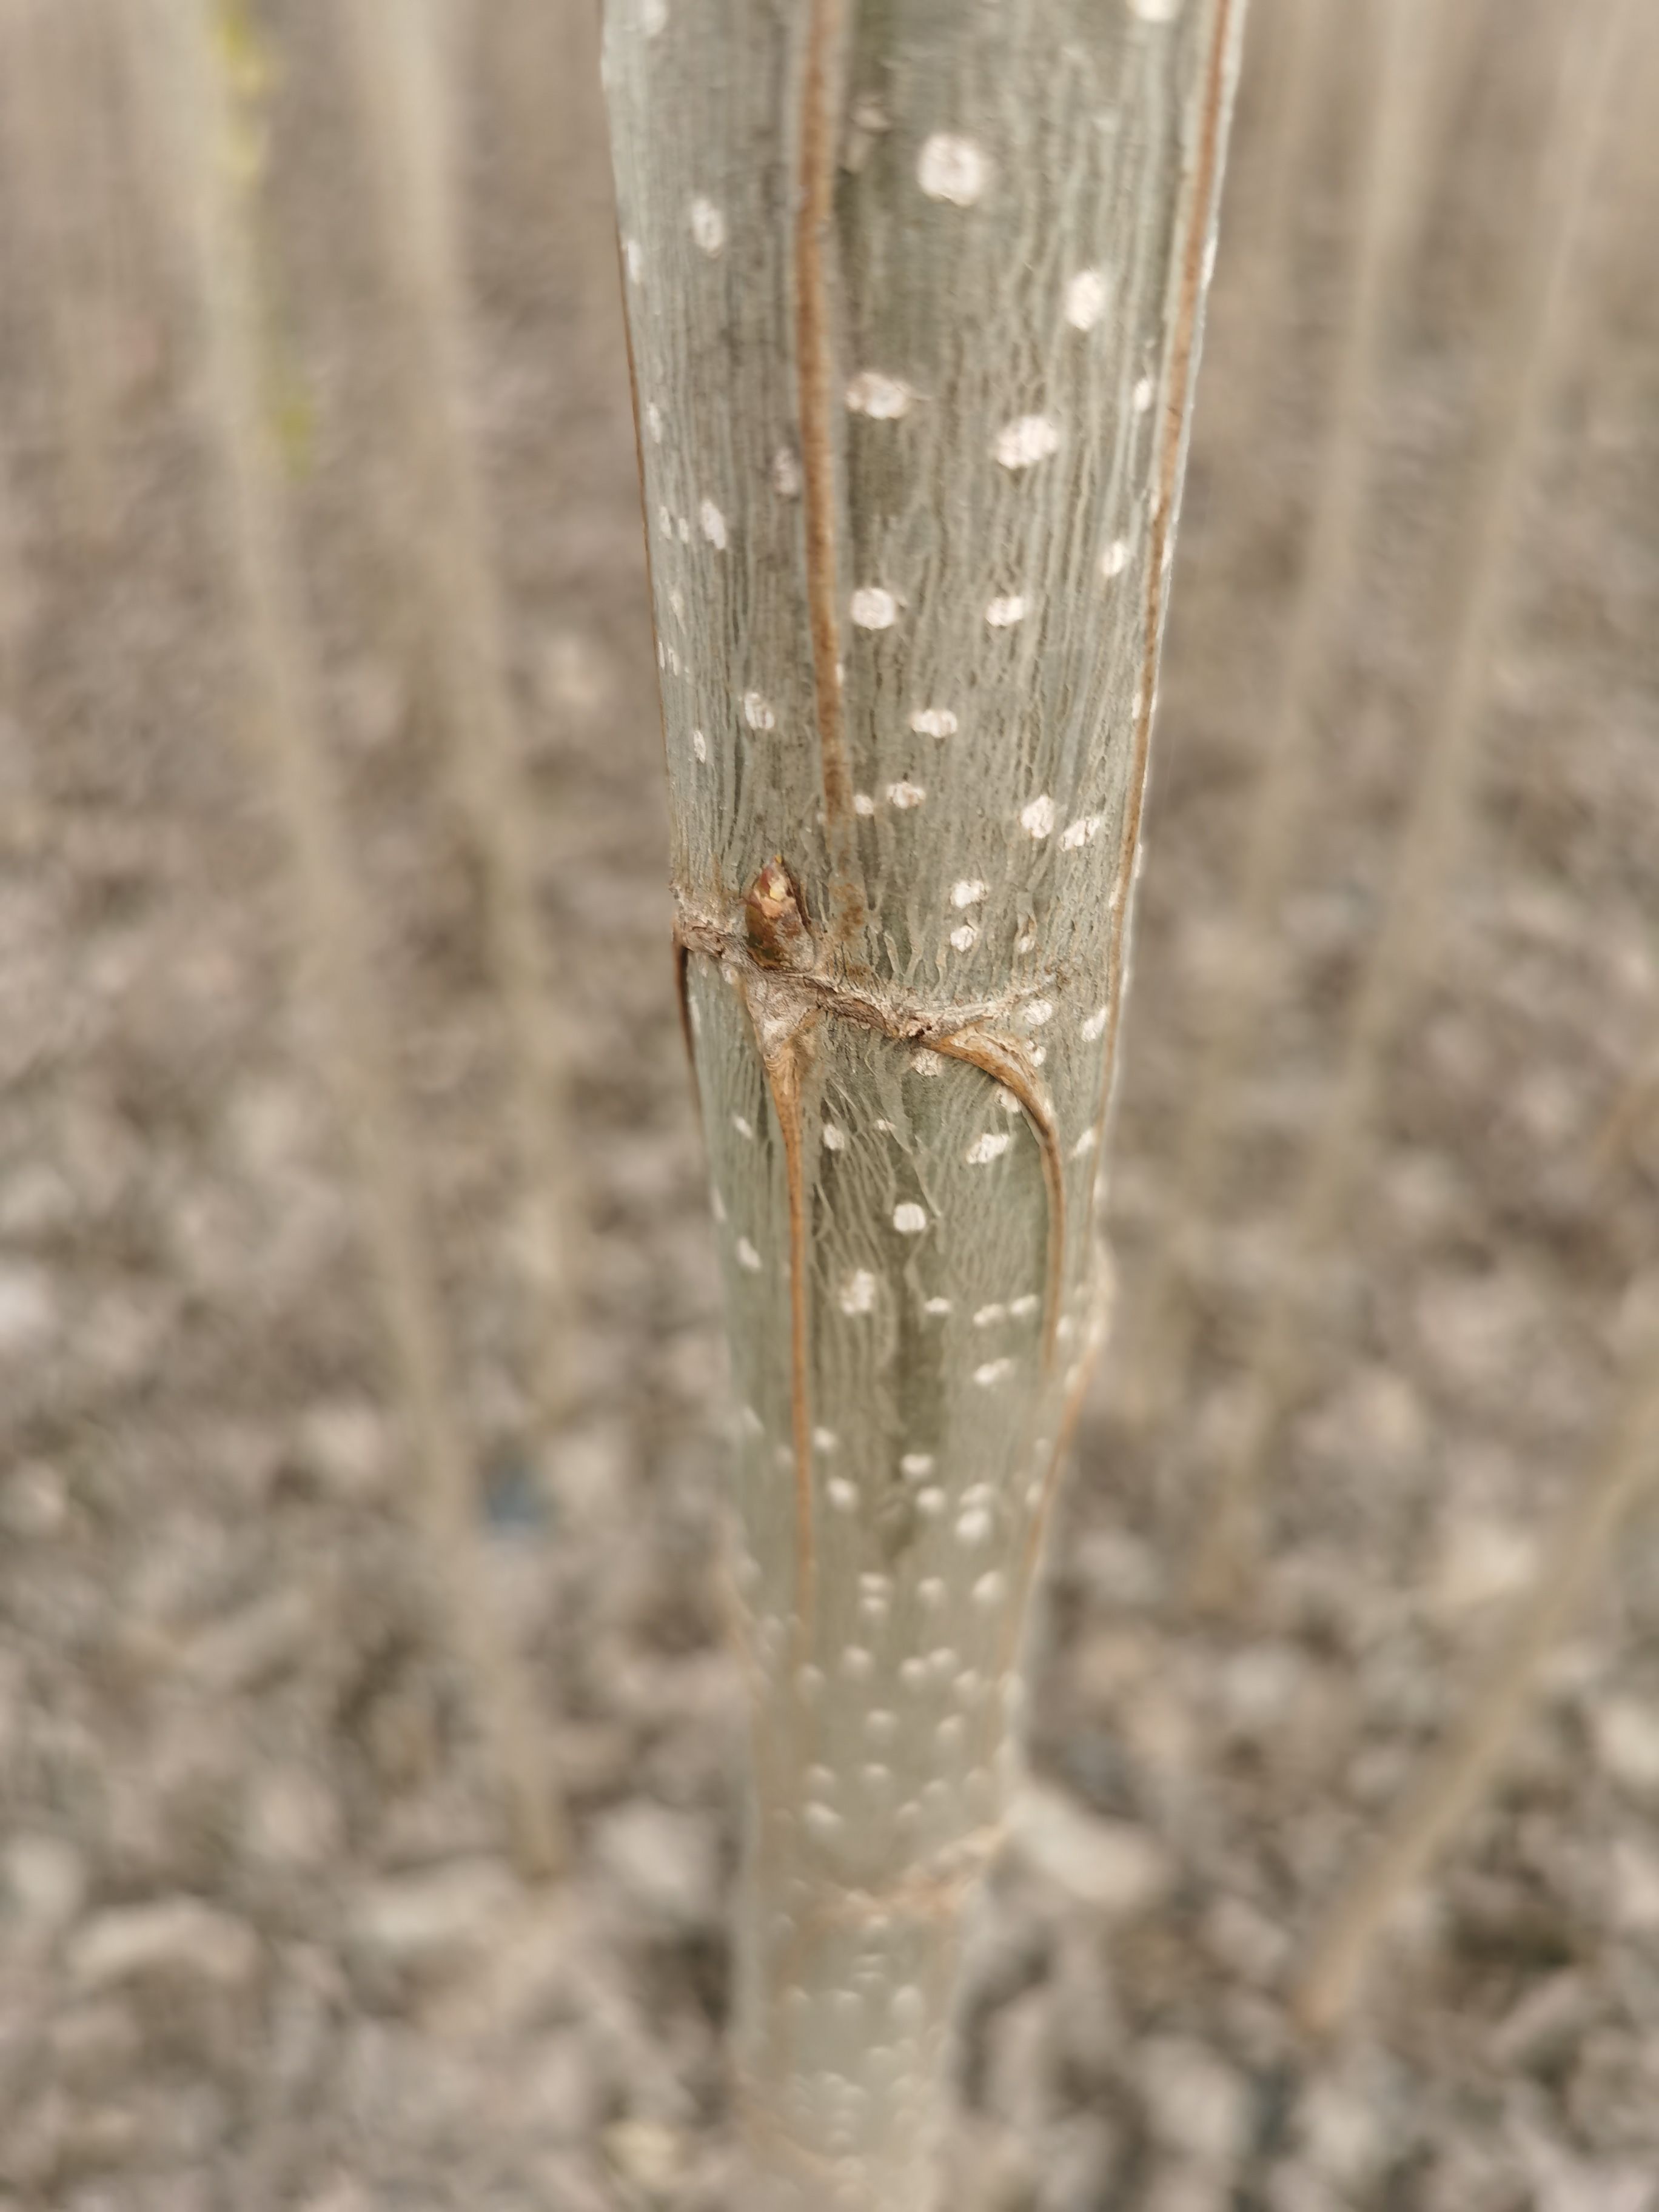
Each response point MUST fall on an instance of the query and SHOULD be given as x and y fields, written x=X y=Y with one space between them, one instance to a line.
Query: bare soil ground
x=260 y=1944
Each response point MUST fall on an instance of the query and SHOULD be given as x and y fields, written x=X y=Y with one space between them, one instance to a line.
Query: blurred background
x=369 y=1757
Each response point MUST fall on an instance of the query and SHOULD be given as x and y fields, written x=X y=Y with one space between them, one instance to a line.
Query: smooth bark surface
x=914 y=295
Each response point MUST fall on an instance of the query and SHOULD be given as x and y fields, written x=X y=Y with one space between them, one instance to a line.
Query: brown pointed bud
x=773 y=921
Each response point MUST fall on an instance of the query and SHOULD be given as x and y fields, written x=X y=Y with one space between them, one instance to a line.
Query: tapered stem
x=914 y=300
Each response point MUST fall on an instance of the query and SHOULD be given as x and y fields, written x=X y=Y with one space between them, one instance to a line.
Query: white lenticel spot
x=1096 y=1025
x=934 y=722
x=824 y=1440
x=1155 y=11
x=714 y=524
x=950 y=1733
x=1008 y=1101
x=1085 y=299
x=1083 y=831
x=990 y=1147
x=653 y=421
x=700 y=744
x=883 y=399
x=707 y=226
x=1003 y=614
x=952 y=168
x=1115 y=559
x=1023 y=1307
x=989 y=1589
x=1038 y=1011
x=863 y=803
x=785 y=474
x=1084 y=1146
x=931 y=1591
x=964 y=937
x=905 y=795
x=989 y=1316
x=1039 y=816
x=915 y=1465
x=874 y=608
x=748 y=1256
x=913 y=1672
x=757 y=712
x=925 y=1062
x=823 y=1819
x=834 y=1139
x=858 y=1292
x=1023 y=442
x=931 y=1501
x=968 y=892
x=717 y=1206
x=936 y=1306
x=992 y=1372
x=842 y=1495
x=654 y=17
x=743 y=1125
x=681 y=530
x=633 y=255
x=1143 y=395
x=880 y=1725
x=909 y=1220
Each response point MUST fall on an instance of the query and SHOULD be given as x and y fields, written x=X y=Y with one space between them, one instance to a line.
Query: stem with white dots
x=914 y=298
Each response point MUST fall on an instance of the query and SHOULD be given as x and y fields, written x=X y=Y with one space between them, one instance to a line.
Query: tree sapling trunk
x=914 y=294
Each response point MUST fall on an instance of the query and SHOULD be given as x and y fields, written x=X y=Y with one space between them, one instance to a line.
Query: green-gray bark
x=914 y=290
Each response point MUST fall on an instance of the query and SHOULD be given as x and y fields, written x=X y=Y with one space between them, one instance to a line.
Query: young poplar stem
x=914 y=296
x=1237 y=1003
x=1511 y=416
x=218 y=149
x=1453 y=1778
x=400 y=62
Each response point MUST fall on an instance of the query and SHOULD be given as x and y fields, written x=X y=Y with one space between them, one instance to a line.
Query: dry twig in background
x=401 y=67
x=1282 y=810
x=57 y=177
x=1524 y=358
x=1454 y=1777
x=214 y=74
